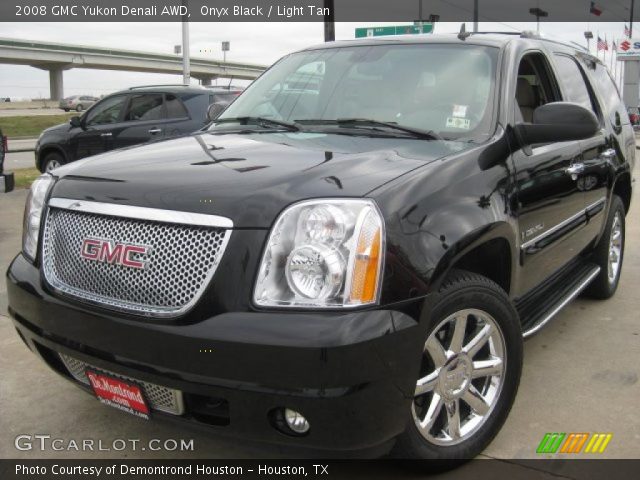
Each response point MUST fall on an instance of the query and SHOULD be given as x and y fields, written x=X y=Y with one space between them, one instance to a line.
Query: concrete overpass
x=57 y=57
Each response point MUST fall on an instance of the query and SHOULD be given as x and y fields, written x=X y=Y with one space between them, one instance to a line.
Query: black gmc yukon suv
x=350 y=256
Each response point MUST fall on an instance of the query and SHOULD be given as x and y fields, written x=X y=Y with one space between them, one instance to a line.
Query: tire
x=482 y=303
x=79 y=108
x=606 y=283
x=66 y=109
x=51 y=161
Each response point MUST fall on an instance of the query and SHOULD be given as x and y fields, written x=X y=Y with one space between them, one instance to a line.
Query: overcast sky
x=261 y=43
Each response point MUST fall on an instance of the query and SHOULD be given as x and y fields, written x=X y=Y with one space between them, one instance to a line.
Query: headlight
x=33 y=214
x=323 y=253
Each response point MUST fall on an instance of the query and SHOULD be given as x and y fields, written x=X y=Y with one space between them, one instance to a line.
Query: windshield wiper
x=260 y=121
x=376 y=124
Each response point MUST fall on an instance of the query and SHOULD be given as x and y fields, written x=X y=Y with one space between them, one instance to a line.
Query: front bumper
x=352 y=375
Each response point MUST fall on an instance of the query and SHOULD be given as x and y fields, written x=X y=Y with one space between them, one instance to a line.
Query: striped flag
x=602 y=44
x=627 y=32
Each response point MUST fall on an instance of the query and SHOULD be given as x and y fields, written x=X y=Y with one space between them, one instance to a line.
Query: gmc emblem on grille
x=108 y=251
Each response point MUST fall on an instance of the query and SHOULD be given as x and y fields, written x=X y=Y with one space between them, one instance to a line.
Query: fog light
x=295 y=421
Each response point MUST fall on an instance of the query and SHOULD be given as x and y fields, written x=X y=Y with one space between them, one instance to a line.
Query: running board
x=538 y=309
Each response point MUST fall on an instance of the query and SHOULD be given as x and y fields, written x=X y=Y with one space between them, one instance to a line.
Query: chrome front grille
x=180 y=262
x=160 y=398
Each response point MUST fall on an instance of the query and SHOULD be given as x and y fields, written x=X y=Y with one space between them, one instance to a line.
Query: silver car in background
x=77 y=102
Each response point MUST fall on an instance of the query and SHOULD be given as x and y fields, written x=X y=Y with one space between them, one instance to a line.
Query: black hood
x=248 y=177
x=61 y=128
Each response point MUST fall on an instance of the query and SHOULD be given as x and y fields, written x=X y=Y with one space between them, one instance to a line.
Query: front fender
x=439 y=214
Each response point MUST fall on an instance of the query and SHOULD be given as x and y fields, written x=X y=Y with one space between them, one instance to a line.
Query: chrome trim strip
x=142 y=213
x=552 y=230
x=562 y=224
x=595 y=204
x=563 y=303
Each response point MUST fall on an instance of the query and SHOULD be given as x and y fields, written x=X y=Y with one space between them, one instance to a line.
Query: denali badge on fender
x=114 y=253
x=349 y=257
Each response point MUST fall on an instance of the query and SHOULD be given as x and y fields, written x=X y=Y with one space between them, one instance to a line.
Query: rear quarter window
x=175 y=108
x=196 y=105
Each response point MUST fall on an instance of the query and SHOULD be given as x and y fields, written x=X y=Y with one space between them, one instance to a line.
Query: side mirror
x=558 y=122
x=214 y=111
x=75 y=122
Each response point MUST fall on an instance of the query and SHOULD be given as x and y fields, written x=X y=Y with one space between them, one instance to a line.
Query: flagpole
x=612 y=43
x=621 y=79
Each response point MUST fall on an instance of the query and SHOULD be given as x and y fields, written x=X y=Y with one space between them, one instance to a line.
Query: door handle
x=153 y=131
x=610 y=153
x=108 y=134
x=575 y=169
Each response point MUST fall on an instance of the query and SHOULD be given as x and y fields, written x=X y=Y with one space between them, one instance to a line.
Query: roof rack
x=224 y=87
x=533 y=35
x=163 y=85
x=581 y=47
x=496 y=33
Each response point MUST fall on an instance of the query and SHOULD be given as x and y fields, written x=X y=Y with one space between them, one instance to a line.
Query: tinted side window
x=144 y=107
x=195 y=104
x=575 y=90
x=107 y=111
x=175 y=108
x=609 y=92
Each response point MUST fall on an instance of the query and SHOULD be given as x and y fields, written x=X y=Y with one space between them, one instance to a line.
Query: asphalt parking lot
x=580 y=375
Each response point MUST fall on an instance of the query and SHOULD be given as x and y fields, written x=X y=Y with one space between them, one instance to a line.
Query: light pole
x=588 y=35
x=329 y=22
x=226 y=46
x=538 y=12
x=186 y=65
x=475 y=15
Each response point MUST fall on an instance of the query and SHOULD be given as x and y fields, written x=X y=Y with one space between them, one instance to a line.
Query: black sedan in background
x=123 y=119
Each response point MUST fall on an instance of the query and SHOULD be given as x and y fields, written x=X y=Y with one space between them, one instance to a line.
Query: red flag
x=595 y=9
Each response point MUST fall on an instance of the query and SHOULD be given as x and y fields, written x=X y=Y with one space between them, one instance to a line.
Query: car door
x=143 y=120
x=95 y=134
x=604 y=154
x=550 y=207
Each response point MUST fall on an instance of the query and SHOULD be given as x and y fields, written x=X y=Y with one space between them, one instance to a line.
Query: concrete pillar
x=631 y=89
x=206 y=81
x=56 y=85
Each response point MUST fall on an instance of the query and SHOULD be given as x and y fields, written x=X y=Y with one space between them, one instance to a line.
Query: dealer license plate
x=120 y=394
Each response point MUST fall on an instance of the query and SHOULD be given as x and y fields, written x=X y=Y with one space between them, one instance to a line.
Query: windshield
x=443 y=88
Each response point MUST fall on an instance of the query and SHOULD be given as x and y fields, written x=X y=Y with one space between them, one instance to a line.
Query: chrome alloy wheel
x=615 y=248
x=52 y=165
x=464 y=362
